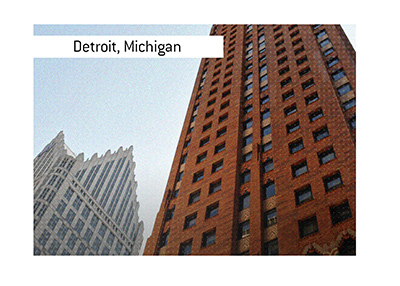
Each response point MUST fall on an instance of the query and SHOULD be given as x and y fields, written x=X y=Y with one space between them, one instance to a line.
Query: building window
x=247 y=157
x=164 y=238
x=349 y=104
x=299 y=50
x=324 y=43
x=332 y=182
x=343 y=89
x=267 y=146
x=105 y=251
x=207 y=127
x=248 y=76
x=321 y=33
x=85 y=212
x=286 y=81
x=210 y=113
x=277 y=44
x=244 y=229
x=303 y=195
x=214 y=187
x=248 y=86
x=263 y=88
x=328 y=51
x=201 y=158
x=208 y=238
x=282 y=60
x=102 y=230
x=211 y=102
x=320 y=134
x=268 y=165
x=77 y=203
x=264 y=78
x=194 y=197
x=266 y=130
x=269 y=189
x=299 y=169
x=270 y=218
x=248 y=97
x=244 y=201
x=352 y=122
x=190 y=221
x=309 y=83
x=68 y=194
x=338 y=74
x=301 y=60
x=247 y=140
x=290 y=110
x=332 y=61
x=193 y=118
x=70 y=216
x=228 y=92
x=224 y=105
x=293 y=127
x=217 y=166
x=79 y=226
x=110 y=239
x=294 y=43
x=263 y=68
x=248 y=108
x=264 y=99
x=183 y=158
x=296 y=146
x=287 y=95
x=44 y=237
x=55 y=245
x=94 y=221
x=271 y=247
x=315 y=115
x=88 y=235
x=179 y=177
x=326 y=156
x=204 y=141
x=265 y=114
x=311 y=98
x=212 y=210
x=185 y=248
x=305 y=71
x=187 y=143
x=62 y=231
x=170 y=214
x=284 y=70
x=175 y=194
x=96 y=244
x=340 y=213
x=53 y=222
x=247 y=124
x=292 y=35
x=61 y=207
x=308 y=226
x=245 y=177
x=221 y=132
x=281 y=51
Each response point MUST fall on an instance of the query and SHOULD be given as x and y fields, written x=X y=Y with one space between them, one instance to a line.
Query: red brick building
x=266 y=159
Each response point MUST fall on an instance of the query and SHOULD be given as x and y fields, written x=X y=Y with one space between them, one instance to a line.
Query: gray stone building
x=85 y=207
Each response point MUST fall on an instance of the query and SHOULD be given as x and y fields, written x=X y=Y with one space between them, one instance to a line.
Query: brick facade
x=272 y=78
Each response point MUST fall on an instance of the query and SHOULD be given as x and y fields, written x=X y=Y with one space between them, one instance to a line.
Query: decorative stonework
x=333 y=248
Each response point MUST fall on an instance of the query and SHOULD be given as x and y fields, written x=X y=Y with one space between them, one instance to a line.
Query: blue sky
x=103 y=104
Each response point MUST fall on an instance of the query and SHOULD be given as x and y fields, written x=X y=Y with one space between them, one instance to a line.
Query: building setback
x=85 y=207
x=265 y=163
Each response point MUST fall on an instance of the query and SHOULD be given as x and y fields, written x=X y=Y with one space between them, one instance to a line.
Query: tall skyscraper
x=85 y=207
x=265 y=163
